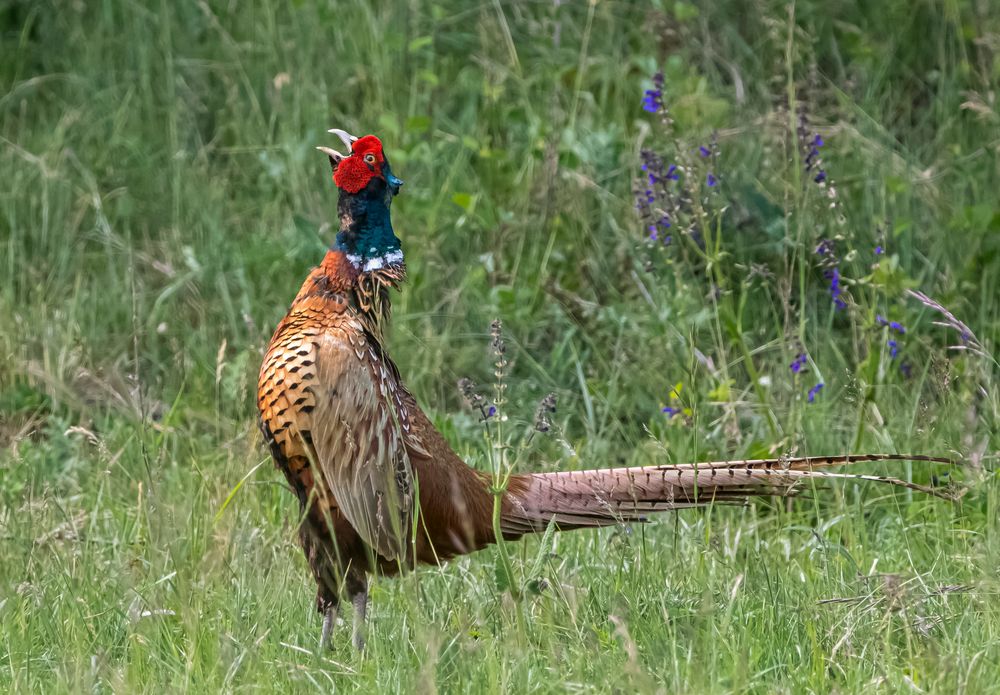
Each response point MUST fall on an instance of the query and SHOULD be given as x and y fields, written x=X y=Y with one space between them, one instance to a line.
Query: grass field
x=161 y=202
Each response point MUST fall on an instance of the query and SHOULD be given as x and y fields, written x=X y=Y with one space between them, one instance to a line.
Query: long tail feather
x=583 y=499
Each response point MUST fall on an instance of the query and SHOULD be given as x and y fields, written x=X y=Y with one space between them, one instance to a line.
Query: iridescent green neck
x=366 y=235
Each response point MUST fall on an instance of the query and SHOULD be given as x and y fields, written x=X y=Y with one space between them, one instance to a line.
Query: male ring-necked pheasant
x=379 y=487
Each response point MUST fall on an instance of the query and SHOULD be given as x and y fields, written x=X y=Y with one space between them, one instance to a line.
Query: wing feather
x=361 y=444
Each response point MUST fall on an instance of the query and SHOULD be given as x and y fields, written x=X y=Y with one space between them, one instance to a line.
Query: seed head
x=545 y=408
x=498 y=344
x=467 y=387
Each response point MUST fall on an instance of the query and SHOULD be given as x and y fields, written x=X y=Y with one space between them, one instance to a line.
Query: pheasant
x=379 y=488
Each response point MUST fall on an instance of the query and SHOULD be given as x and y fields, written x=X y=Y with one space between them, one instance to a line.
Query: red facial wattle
x=364 y=163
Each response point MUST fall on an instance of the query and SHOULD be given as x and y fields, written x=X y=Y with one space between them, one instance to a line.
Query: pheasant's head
x=367 y=187
x=365 y=165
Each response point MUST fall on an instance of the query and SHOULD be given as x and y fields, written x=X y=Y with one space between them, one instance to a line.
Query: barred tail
x=582 y=499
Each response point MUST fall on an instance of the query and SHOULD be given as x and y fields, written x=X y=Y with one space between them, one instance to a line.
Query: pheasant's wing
x=361 y=443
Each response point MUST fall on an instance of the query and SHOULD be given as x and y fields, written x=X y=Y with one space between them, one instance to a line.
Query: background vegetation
x=162 y=201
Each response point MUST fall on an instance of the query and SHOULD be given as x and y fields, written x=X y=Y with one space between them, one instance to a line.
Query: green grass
x=161 y=201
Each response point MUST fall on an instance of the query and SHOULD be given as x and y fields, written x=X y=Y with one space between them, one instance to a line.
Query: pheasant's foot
x=360 y=602
x=329 y=619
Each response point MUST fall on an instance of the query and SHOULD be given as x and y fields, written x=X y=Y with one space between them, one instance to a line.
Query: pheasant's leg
x=360 y=602
x=329 y=620
x=327 y=604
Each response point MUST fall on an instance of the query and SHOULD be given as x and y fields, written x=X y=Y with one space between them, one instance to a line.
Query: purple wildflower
x=810 y=144
x=798 y=363
x=893 y=348
x=906 y=369
x=893 y=325
x=645 y=196
x=710 y=180
x=704 y=151
x=833 y=275
x=812 y=156
x=490 y=412
x=825 y=248
x=656 y=173
x=878 y=250
x=652 y=101
x=649 y=192
x=653 y=166
x=814 y=391
x=661 y=225
x=671 y=411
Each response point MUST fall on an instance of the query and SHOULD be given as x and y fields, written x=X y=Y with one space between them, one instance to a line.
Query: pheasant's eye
x=369 y=158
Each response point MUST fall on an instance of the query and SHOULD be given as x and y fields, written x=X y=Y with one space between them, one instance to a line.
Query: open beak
x=333 y=154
